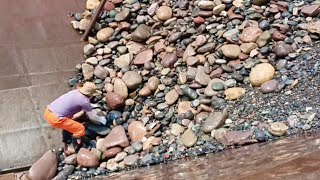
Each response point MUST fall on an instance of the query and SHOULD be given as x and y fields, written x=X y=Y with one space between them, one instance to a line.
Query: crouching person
x=60 y=112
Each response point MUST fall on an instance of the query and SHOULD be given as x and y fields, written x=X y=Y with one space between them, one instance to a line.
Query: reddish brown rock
x=188 y=52
x=112 y=152
x=160 y=46
x=234 y=63
x=278 y=36
x=117 y=1
x=114 y=100
x=243 y=56
x=216 y=73
x=185 y=106
x=117 y=137
x=168 y=60
x=141 y=33
x=108 y=6
x=45 y=168
x=86 y=158
x=143 y=57
x=232 y=15
x=250 y=34
x=282 y=49
x=198 y=20
x=136 y=131
x=236 y=138
x=311 y=11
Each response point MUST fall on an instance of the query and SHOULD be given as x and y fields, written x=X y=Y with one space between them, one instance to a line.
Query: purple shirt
x=69 y=104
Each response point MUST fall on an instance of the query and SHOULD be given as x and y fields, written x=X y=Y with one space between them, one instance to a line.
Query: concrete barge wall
x=38 y=53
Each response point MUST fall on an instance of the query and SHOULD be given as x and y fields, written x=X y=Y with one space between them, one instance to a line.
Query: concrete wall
x=38 y=53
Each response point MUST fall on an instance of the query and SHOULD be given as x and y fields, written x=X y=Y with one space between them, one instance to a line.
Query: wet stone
x=269 y=86
x=217 y=86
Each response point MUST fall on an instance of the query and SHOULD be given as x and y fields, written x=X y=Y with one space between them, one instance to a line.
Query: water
x=293 y=159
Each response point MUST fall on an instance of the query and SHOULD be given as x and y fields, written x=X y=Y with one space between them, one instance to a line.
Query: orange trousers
x=70 y=125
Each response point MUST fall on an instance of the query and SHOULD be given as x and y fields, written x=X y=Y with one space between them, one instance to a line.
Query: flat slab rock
x=117 y=137
x=237 y=138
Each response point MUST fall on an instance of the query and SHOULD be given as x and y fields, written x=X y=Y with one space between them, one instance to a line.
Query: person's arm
x=87 y=108
x=94 y=117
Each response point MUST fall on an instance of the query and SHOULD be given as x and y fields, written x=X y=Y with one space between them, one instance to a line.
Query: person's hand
x=103 y=120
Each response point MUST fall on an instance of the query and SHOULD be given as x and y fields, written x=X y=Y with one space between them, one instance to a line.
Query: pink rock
x=216 y=73
x=168 y=60
x=236 y=137
x=250 y=34
x=282 y=49
x=278 y=36
x=160 y=46
x=45 y=168
x=311 y=11
x=108 y=6
x=136 y=131
x=117 y=1
x=114 y=100
x=143 y=57
x=117 y=137
x=198 y=20
x=188 y=52
x=243 y=56
x=112 y=152
x=87 y=159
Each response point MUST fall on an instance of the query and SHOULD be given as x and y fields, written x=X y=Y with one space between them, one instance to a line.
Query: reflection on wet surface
x=297 y=158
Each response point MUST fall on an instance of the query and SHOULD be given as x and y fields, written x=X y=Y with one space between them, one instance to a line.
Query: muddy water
x=293 y=158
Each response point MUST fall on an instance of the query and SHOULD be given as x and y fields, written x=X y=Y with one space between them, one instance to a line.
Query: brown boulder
x=114 y=100
x=250 y=34
x=236 y=138
x=112 y=152
x=86 y=158
x=143 y=57
x=45 y=168
x=261 y=73
x=168 y=60
x=117 y=137
x=215 y=120
x=282 y=49
x=108 y=6
x=136 y=131
x=311 y=11
x=277 y=36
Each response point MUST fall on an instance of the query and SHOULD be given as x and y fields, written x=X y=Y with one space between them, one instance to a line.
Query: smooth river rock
x=215 y=120
x=261 y=73
x=45 y=168
x=189 y=138
x=86 y=158
x=136 y=131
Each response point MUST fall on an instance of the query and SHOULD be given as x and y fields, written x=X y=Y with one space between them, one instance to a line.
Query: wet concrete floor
x=286 y=159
